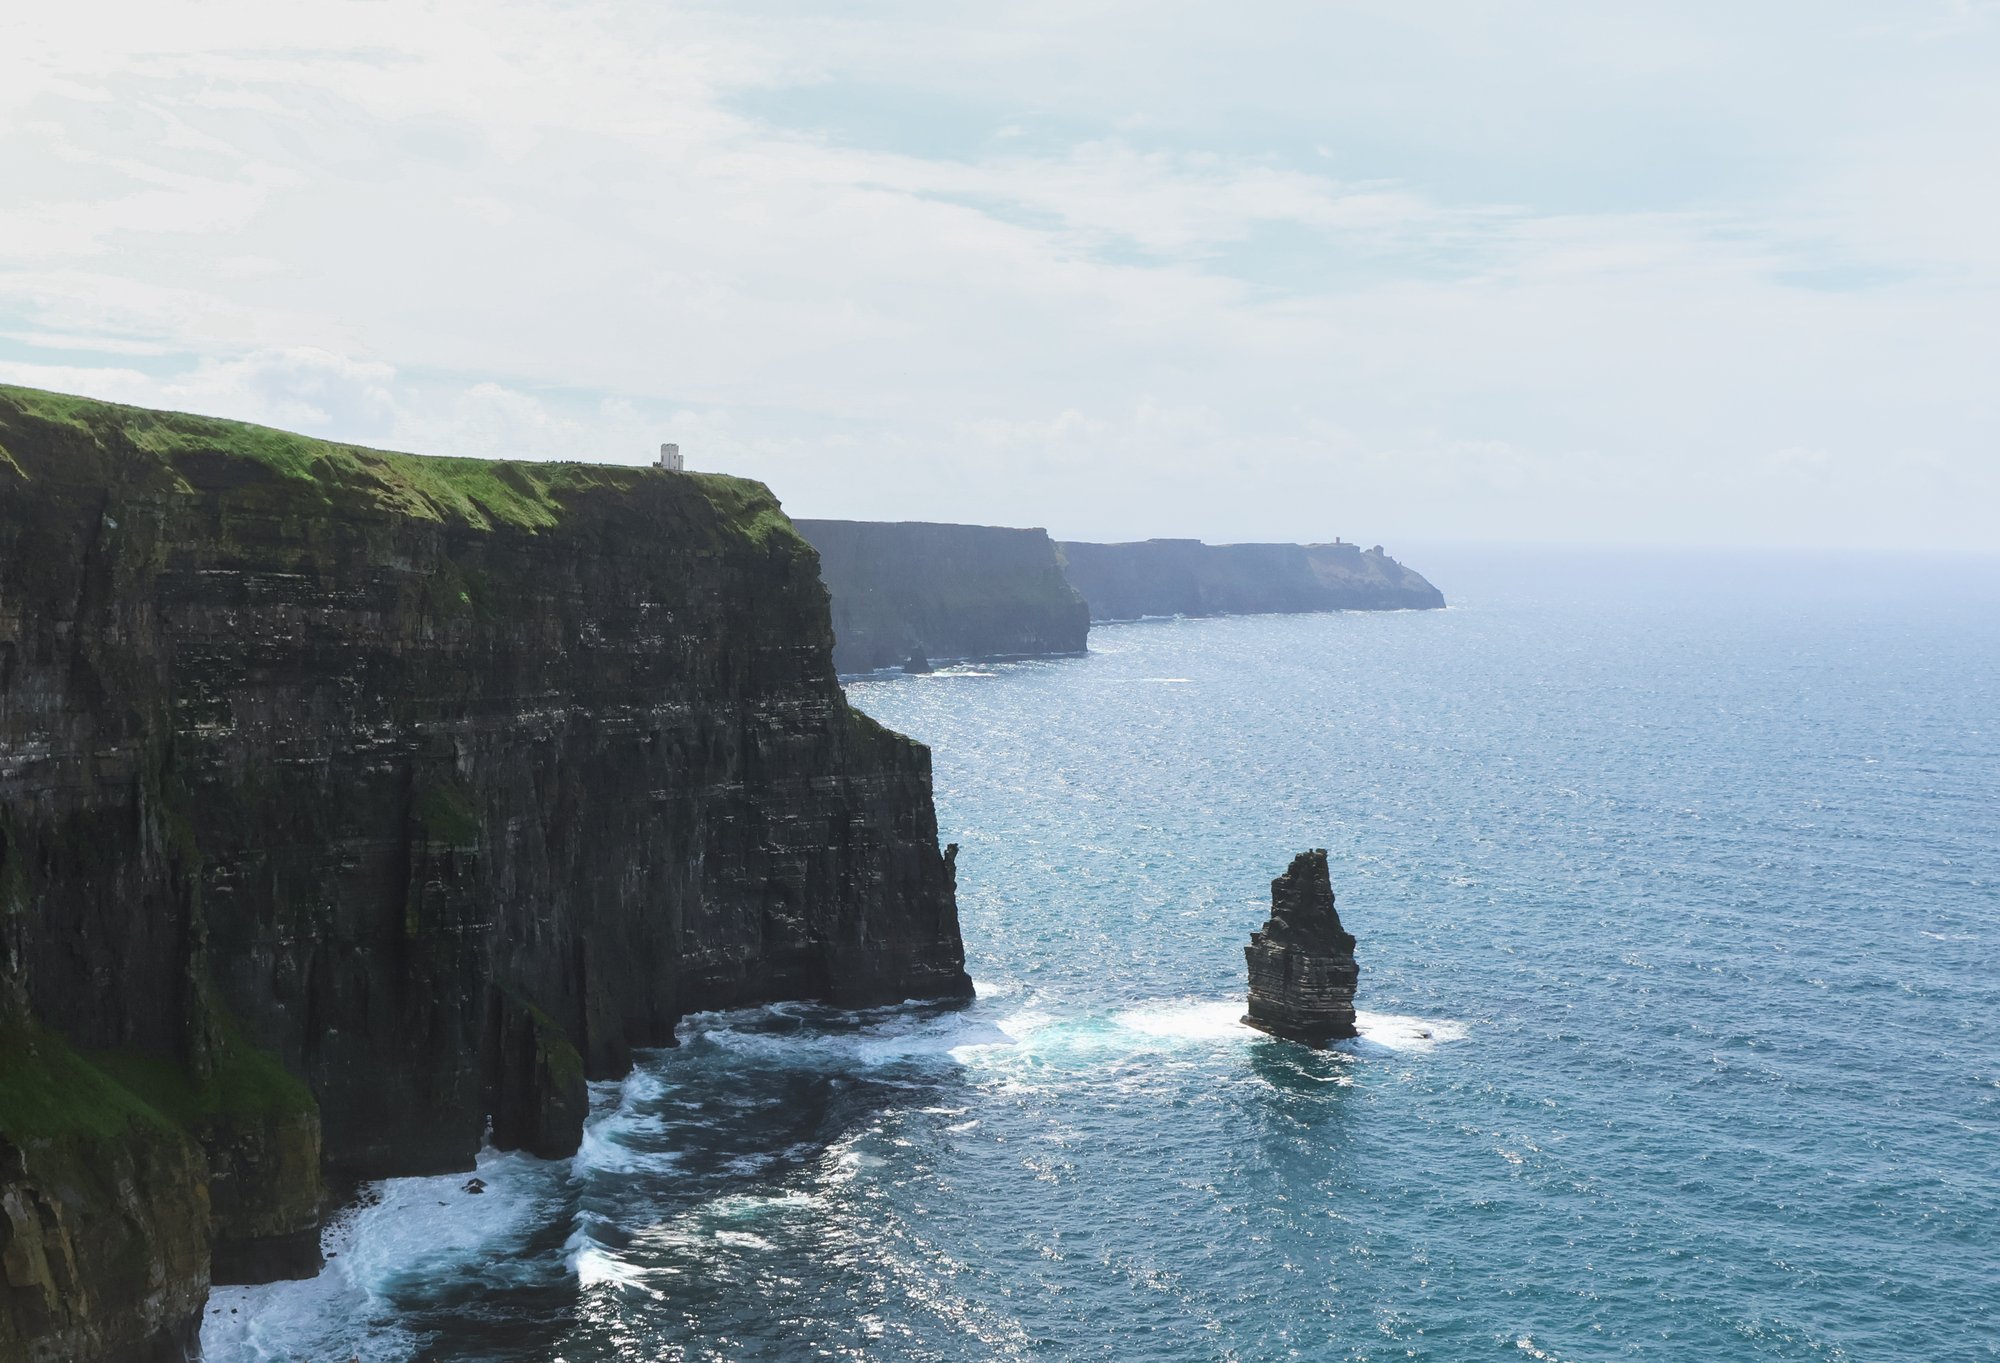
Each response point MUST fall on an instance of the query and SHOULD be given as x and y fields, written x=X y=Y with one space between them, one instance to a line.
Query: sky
x=1663 y=273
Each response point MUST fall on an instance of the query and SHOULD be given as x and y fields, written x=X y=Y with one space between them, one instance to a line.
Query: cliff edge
x=349 y=799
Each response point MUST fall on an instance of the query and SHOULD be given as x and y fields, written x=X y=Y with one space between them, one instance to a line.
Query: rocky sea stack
x=1302 y=968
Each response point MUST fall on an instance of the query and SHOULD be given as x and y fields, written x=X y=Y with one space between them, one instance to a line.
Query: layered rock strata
x=913 y=593
x=351 y=799
x=1187 y=577
x=1302 y=967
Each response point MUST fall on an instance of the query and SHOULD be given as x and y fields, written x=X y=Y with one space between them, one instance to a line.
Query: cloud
x=1370 y=270
x=300 y=389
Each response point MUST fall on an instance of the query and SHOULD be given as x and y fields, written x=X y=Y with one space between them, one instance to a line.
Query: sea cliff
x=349 y=800
x=1187 y=577
x=911 y=593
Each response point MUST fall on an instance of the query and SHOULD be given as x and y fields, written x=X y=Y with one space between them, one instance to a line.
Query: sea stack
x=1302 y=968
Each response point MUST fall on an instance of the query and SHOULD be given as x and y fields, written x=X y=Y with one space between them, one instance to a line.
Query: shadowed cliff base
x=439 y=785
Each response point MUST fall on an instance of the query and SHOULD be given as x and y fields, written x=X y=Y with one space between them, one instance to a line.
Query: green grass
x=243 y=1081
x=750 y=507
x=49 y=1092
x=482 y=493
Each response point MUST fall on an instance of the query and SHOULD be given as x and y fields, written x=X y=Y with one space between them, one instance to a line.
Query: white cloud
x=1119 y=269
x=300 y=388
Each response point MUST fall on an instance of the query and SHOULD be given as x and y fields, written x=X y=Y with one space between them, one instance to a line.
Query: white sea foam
x=335 y=1315
x=406 y=1232
x=958 y=1035
x=1185 y=1020
x=610 y=1136
x=743 y=1239
x=884 y=1041
x=1031 y=1032
x=603 y=1152
x=419 y=1230
x=641 y=1085
x=595 y=1266
x=737 y=1221
x=1035 y=1037
x=1394 y=1033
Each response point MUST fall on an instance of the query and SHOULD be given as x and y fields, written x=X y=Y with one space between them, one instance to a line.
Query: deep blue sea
x=1677 y=885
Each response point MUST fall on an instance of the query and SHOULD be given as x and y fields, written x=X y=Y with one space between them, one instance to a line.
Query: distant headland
x=910 y=593
x=913 y=593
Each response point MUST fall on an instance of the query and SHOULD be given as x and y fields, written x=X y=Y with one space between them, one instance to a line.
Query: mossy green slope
x=482 y=493
x=103 y=1212
x=242 y=1082
x=50 y=1093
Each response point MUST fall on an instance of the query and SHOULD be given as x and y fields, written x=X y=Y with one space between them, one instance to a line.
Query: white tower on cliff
x=670 y=459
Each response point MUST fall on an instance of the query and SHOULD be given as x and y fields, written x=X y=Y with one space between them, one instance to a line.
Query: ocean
x=1676 y=880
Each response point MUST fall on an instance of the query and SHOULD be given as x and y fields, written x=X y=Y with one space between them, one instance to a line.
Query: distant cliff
x=349 y=800
x=1187 y=577
x=914 y=589
x=915 y=592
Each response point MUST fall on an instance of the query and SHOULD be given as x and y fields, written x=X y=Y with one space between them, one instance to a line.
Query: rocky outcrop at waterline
x=1302 y=967
x=1187 y=577
x=913 y=593
x=349 y=800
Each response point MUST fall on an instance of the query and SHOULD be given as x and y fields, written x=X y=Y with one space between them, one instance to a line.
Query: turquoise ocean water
x=1677 y=885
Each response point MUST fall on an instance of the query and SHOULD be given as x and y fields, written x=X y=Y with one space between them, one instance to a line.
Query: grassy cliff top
x=483 y=493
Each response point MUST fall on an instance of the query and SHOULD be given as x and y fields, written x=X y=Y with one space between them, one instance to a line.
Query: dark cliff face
x=1187 y=577
x=1302 y=967
x=442 y=783
x=909 y=589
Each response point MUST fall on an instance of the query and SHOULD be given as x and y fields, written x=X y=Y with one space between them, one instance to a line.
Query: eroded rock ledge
x=1302 y=967
x=348 y=799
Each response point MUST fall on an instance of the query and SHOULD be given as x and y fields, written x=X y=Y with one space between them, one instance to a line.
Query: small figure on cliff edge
x=1302 y=967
